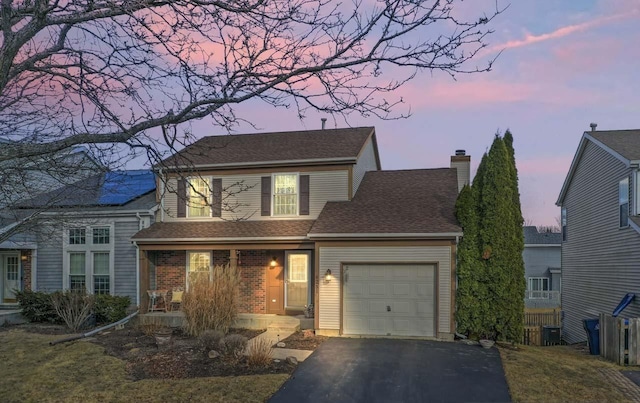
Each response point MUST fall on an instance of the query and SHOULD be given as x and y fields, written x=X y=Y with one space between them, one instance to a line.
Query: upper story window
x=563 y=220
x=199 y=190
x=101 y=236
x=77 y=236
x=285 y=194
x=623 y=202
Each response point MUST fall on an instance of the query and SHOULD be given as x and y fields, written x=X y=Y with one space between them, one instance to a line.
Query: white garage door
x=389 y=300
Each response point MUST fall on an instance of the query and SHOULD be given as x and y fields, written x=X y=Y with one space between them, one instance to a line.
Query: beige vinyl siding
x=324 y=186
x=169 y=205
x=599 y=260
x=332 y=257
x=463 y=173
x=366 y=162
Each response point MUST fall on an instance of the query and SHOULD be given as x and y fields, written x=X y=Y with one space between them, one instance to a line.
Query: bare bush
x=260 y=352
x=232 y=347
x=150 y=325
x=210 y=340
x=74 y=307
x=211 y=300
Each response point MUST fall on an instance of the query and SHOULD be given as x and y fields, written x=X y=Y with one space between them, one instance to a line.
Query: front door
x=275 y=291
x=297 y=275
x=10 y=278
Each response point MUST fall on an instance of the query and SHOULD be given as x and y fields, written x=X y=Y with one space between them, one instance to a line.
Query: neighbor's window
x=285 y=194
x=77 y=271
x=199 y=191
x=101 y=279
x=623 y=202
x=563 y=219
x=77 y=236
x=101 y=236
x=538 y=286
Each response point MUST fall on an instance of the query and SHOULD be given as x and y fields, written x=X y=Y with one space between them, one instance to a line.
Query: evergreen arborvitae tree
x=490 y=267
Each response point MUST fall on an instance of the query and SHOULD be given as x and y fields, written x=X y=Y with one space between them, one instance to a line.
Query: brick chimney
x=462 y=163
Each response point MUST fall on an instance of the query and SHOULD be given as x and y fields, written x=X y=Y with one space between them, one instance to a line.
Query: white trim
x=634 y=225
x=273 y=194
x=263 y=164
x=89 y=248
x=386 y=235
x=34 y=269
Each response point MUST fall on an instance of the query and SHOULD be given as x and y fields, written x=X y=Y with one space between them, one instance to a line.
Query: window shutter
x=216 y=197
x=304 y=194
x=266 y=196
x=182 y=198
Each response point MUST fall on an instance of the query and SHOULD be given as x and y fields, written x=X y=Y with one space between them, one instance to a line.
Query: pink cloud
x=530 y=39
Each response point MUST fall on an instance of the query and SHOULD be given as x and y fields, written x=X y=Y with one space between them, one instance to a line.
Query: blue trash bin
x=592 y=327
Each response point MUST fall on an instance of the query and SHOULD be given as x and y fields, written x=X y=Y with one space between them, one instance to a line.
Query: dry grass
x=557 y=374
x=211 y=301
x=31 y=370
x=74 y=307
x=150 y=325
x=260 y=352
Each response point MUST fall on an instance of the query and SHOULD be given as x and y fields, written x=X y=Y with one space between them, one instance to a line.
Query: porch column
x=233 y=258
x=144 y=281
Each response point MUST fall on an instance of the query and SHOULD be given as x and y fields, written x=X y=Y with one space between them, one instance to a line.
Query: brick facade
x=26 y=270
x=170 y=273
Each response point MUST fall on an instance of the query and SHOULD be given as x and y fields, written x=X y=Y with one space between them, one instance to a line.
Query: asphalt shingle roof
x=272 y=147
x=396 y=202
x=204 y=230
x=624 y=142
x=533 y=237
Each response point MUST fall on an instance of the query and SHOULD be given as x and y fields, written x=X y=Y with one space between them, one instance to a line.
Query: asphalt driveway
x=389 y=370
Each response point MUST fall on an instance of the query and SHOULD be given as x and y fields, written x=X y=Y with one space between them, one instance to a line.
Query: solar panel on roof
x=122 y=187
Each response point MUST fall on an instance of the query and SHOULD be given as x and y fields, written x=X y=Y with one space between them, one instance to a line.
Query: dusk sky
x=564 y=65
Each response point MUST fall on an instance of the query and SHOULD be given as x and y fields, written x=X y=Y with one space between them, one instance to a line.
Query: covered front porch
x=276 y=279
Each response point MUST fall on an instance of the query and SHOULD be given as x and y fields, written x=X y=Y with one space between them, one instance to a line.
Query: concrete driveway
x=389 y=370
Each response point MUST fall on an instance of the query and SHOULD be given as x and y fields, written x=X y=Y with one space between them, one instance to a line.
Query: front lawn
x=32 y=370
x=558 y=374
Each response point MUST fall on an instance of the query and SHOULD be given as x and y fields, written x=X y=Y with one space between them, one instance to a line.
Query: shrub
x=37 y=306
x=74 y=307
x=259 y=354
x=232 y=346
x=211 y=301
x=110 y=308
x=210 y=340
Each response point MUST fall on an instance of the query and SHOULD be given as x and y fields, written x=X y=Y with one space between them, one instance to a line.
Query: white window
x=623 y=202
x=563 y=219
x=285 y=194
x=199 y=194
x=538 y=287
x=297 y=265
x=198 y=262
x=88 y=259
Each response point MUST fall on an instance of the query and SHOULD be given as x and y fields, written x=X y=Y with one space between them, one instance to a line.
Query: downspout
x=162 y=190
x=138 y=262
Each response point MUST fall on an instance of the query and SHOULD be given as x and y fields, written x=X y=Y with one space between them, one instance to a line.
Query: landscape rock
x=213 y=354
x=280 y=344
x=292 y=360
x=307 y=333
x=276 y=360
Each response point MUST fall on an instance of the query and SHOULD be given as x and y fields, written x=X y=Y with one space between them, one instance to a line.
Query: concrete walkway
x=273 y=336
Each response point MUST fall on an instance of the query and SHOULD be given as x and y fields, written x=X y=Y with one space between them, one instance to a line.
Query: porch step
x=244 y=321
x=13 y=317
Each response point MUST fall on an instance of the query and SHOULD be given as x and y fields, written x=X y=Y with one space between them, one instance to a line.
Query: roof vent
x=324 y=122
x=593 y=126
x=461 y=152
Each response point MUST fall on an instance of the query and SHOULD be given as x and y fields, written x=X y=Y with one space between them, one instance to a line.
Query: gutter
x=263 y=164
x=221 y=240
x=388 y=235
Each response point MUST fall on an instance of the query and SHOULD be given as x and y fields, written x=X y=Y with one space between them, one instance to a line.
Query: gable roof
x=622 y=144
x=224 y=231
x=263 y=149
x=409 y=203
x=533 y=237
x=115 y=188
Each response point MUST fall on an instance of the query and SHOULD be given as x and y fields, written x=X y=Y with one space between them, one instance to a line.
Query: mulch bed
x=183 y=358
x=304 y=340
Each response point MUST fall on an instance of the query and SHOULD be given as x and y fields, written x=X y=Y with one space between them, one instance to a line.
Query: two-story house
x=600 y=213
x=82 y=238
x=542 y=271
x=310 y=218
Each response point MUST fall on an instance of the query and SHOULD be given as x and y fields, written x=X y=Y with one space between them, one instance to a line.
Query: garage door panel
x=407 y=290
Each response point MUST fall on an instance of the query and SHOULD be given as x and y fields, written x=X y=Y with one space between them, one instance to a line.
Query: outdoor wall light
x=274 y=261
x=327 y=275
x=24 y=256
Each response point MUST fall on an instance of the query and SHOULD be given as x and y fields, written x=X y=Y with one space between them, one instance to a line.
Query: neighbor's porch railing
x=541 y=299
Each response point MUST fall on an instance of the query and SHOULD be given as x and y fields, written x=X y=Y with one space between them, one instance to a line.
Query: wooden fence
x=533 y=323
x=619 y=339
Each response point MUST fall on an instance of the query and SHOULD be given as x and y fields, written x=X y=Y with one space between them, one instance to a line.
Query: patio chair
x=176 y=298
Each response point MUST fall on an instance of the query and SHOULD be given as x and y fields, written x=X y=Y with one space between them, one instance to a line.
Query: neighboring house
x=600 y=208
x=542 y=268
x=83 y=236
x=310 y=219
